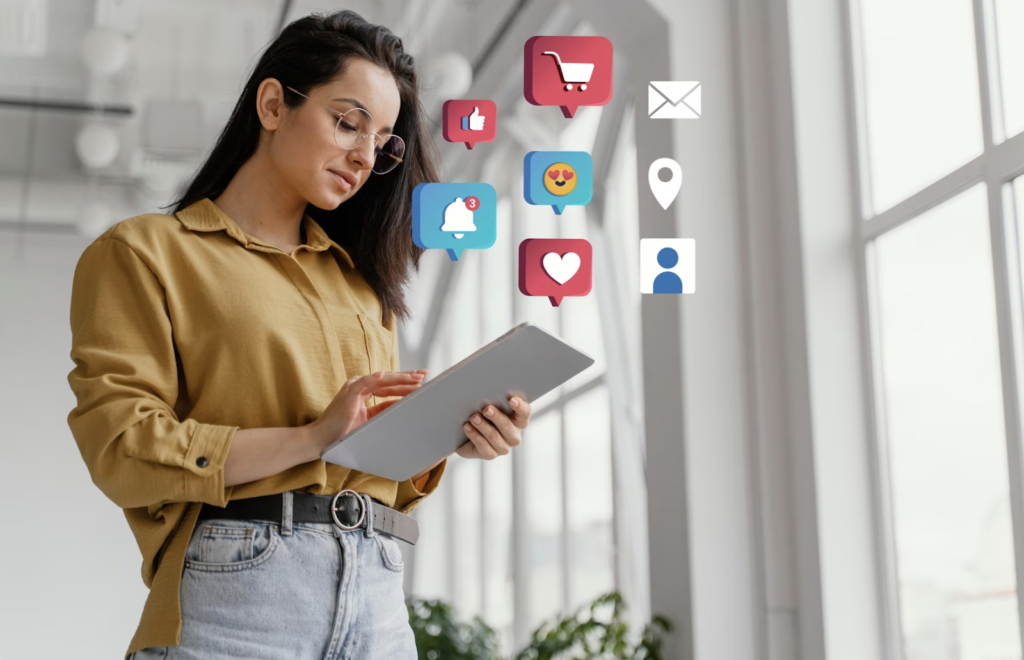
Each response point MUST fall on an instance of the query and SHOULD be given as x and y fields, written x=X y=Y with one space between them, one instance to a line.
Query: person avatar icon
x=668 y=282
x=668 y=265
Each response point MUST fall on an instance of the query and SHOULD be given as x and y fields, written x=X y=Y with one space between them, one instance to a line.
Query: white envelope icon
x=673 y=99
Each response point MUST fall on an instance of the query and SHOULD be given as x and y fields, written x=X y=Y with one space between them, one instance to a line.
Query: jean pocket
x=230 y=545
x=390 y=553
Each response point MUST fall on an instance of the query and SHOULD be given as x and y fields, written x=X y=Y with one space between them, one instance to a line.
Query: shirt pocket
x=364 y=343
x=379 y=342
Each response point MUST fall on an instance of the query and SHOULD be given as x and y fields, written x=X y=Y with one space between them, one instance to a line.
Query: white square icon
x=668 y=265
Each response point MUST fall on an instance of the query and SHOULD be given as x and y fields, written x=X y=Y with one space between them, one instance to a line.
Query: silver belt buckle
x=334 y=509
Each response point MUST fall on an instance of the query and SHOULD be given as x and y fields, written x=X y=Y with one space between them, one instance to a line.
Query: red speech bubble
x=555 y=267
x=567 y=72
x=469 y=121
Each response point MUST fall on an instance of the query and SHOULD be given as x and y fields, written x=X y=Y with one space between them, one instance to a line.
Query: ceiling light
x=97 y=145
x=105 y=51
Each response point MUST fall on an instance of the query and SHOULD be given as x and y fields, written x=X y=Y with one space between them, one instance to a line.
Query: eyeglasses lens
x=390 y=154
x=352 y=129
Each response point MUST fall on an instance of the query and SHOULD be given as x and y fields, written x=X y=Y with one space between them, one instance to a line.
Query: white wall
x=70 y=580
x=716 y=402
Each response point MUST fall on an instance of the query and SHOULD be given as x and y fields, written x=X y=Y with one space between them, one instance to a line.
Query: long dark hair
x=375 y=225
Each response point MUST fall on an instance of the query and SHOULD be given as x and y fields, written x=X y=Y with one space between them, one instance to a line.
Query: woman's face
x=303 y=148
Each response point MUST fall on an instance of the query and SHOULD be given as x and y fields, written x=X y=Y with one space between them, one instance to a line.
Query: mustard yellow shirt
x=186 y=329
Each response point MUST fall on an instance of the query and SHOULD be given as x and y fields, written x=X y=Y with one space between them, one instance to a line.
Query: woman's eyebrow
x=358 y=104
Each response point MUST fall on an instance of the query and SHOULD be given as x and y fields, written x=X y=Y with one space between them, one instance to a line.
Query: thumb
x=476 y=112
x=372 y=411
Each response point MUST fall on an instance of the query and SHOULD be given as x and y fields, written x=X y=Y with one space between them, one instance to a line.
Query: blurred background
x=816 y=455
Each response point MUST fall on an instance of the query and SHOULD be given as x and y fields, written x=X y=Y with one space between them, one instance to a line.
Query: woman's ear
x=270 y=103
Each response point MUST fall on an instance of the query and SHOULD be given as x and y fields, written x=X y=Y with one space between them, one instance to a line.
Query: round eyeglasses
x=353 y=128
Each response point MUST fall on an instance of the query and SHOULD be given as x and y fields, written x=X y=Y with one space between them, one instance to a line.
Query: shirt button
x=202 y=462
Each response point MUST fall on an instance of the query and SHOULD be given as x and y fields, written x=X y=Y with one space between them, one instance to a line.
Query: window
x=921 y=93
x=589 y=506
x=940 y=119
x=542 y=447
x=945 y=433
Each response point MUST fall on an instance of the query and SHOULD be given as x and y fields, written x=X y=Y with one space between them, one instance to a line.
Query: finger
x=351 y=399
x=382 y=379
x=401 y=377
x=490 y=432
x=483 y=448
x=360 y=389
x=354 y=387
x=521 y=411
x=395 y=390
x=504 y=425
x=380 y=407
x=467 y=450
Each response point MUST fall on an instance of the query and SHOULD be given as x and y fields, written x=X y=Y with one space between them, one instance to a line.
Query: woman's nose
x=364 y=154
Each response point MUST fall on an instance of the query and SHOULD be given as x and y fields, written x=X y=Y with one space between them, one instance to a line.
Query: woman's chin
x=328 y=201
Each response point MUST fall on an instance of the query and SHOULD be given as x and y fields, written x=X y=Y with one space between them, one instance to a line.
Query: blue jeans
x=254 y=589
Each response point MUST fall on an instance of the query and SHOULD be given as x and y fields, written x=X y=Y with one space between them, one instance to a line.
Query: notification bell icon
x=458 y=218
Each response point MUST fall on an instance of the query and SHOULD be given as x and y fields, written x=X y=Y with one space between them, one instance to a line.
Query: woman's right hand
x=348 y=409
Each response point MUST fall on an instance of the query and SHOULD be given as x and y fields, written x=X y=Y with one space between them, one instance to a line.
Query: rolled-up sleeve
x=126 y=383
x=409 y=496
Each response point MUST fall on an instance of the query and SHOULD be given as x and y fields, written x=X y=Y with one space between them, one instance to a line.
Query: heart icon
x=553 y=174
x=568 y=174
x=561 y=268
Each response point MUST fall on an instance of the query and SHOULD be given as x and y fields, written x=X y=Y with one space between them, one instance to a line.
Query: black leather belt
x=347 y=510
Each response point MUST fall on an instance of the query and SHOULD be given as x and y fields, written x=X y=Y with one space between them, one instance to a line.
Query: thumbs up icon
x=470 y=121
x=474 y=122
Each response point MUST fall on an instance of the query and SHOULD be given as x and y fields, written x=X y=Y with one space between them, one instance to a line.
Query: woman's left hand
x=492 y=433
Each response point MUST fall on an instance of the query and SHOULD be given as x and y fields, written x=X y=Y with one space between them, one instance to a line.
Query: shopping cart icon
x=573 y=72
x=583 y=78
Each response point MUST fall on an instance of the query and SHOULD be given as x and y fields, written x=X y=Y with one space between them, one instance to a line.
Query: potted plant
x=593 y=631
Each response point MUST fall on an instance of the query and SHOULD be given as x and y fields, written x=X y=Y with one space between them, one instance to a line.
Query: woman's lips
x=345 y=180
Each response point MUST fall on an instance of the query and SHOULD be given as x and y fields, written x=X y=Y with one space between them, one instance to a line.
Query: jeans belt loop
x=287 y=501
x=368 y=503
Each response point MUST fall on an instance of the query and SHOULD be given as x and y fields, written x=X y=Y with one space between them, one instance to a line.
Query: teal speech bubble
x=558 y=178
x=454 y=217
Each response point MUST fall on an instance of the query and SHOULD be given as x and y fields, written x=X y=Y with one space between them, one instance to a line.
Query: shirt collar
x=204 y=215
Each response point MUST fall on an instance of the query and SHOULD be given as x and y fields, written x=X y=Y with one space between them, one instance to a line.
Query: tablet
x=423 y=427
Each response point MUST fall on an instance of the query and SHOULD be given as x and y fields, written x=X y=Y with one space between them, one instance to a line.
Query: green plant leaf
x=593 y=631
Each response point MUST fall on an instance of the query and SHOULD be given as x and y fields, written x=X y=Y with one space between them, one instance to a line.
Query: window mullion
x=1005 y=265
x=988 y=72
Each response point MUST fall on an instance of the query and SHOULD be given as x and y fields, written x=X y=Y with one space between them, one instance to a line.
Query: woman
x=220 y=349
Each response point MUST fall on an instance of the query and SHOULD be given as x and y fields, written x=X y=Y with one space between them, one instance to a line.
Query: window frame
x=1001 y=161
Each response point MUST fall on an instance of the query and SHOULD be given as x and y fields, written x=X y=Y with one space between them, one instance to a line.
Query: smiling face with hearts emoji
x=560 y=179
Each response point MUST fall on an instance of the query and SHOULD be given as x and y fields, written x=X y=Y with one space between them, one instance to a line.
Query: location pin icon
x=665 y=191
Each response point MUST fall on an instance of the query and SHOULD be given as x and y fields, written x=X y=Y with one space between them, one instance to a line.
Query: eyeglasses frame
x=341 y=115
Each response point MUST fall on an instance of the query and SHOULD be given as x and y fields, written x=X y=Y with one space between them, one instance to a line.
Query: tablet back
x=425 y=426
